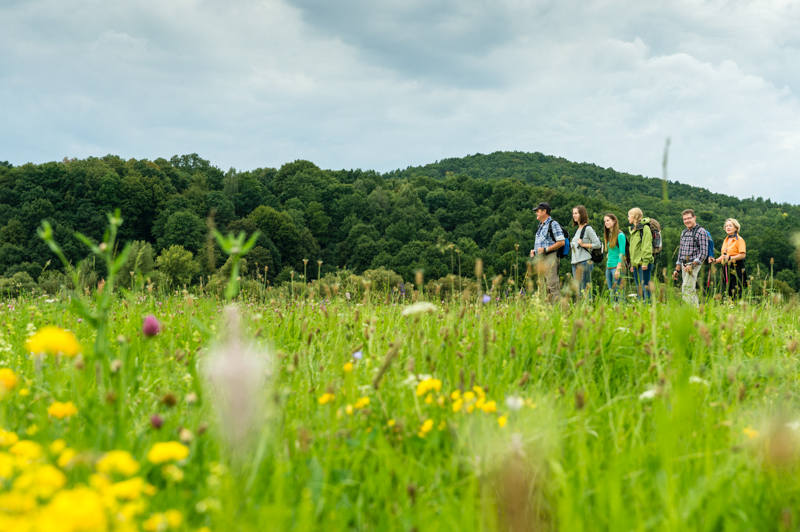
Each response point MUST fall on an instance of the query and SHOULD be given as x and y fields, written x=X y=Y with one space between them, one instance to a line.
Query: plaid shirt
x=694 y=246
x=543 y=239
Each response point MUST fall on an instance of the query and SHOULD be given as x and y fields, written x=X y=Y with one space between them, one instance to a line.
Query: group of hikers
x=634 y=253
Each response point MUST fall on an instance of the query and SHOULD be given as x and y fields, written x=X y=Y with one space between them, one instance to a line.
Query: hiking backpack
x=597 y=254
x=658 y=244
x=710 y=244
x=562 y=252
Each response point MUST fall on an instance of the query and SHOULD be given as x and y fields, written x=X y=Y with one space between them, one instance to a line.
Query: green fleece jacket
x=641 y=244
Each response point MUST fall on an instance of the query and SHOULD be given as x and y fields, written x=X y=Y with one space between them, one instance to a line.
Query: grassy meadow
x=344 y=410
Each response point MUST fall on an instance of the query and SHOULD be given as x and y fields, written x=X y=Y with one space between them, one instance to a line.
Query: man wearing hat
x=549 y=239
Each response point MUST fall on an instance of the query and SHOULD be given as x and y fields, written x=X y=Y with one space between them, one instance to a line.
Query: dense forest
x=437 y=218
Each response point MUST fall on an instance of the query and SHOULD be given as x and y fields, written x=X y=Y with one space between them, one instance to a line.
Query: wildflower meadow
x=350 y=408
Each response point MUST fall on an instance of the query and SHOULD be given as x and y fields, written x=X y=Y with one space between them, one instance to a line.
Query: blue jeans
x=584 y=277
x=613 y=284
x=642 y=277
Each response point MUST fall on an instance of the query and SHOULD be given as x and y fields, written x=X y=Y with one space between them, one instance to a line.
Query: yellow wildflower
x=442 y=425
x=174 y=518
x=426 y=427
x=478 y=390
x=66 y=457
x=489 y=407
x=326 y=398
x=6 y=466
x=120 y=462
x=428 y=385
x=24 y=392
x=7 y=380
x=158 y=522
x=42 y=481
x=502 y=420
x=457 y=404
x=751 y=433
x=362 y=403
x=429 y=399
x=469 y=396
x=440 y=401
x=53 y=340
x=8 y=438
x=127 y=490
x=26 y=450
x=391 y=423
x=349 y=410
x=57 y=446
x=455 y=395
x=348 y=367
x=77 y=509
x=167 y=452
x=61 y=410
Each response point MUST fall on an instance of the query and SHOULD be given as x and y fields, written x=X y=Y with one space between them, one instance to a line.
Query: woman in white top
x=583 y=242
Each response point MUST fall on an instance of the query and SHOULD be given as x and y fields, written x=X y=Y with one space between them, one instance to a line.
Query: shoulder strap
x=583 y=231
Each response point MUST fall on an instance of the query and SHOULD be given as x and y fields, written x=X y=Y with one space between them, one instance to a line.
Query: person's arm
x=596 y=244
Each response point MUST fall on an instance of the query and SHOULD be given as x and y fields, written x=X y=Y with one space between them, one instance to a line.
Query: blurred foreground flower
x=237 y=373
x=7 y=380
x=61 y=410
x=119 y=462
x=417 y=308
x=53 y=340
x=150 y=327
x=169 y=451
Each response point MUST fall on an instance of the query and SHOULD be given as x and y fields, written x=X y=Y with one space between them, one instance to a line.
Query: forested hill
x=351 y=219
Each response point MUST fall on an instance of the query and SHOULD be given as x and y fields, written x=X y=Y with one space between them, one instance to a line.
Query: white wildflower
x=515 y=402
x=416 y=308
x=794 y=425
x=697 y=380
x=647 y=395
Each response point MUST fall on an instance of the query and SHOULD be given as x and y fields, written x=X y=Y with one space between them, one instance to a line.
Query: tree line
x=437 y=218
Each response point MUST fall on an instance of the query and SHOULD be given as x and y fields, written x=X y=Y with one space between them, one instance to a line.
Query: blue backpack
x=562 y=252
x=710 y=244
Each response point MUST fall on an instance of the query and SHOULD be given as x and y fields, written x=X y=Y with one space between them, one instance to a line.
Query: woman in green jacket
x=641 y=251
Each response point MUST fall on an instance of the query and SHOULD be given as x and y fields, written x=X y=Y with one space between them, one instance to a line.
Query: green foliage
x=403 y=220
x=177 y=265
x=16 y=285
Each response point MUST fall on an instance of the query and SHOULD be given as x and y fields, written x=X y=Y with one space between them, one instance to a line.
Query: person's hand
x=644 y=266
x=631 y=269
x=533 y=252
x=689 y=268
x=675 y=275
x=579 y=241
x=711 y=260
x=540 y=251
x=617 y=273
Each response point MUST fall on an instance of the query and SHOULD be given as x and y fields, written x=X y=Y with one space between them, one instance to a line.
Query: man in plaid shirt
x=549 y=239
x=692 y=253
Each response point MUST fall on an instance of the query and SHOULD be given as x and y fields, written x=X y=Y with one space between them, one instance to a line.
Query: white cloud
x=360 y=84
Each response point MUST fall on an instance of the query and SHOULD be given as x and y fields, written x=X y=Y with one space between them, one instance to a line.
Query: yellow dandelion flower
x=66 y=457
x=502 y=420
x=349 y=410
x=457 y=405
x=489 y=407
x=428 y=385
x=427 y=426
x=119 y=462
x=168 y=451
x=391 y=423
x=6 y=466
x=8 y=438
x=26 y=450
x=54 y=341
x=24 y=392
x=442 y=425
x=362 y=403
x=61 y=410
x=326 y=398
x=7 y=380
x=429 y=399
x=348 y=367
x=77 y=509
x=127 y=490
x=41 y=481
x=57 y=446
x=174 y=518
x=440 y=401
x=456 y=394
x=469 y=396
x=478 y=390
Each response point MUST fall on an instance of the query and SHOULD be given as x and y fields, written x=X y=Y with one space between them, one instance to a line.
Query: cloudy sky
x=384 y=85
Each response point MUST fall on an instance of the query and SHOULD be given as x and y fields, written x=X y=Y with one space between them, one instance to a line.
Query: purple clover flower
x=151 y=327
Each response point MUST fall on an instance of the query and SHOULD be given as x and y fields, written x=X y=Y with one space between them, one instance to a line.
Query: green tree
x=184 y=229
x=177 y=264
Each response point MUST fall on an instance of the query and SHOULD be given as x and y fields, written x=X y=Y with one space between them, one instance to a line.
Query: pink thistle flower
x=151 y=327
